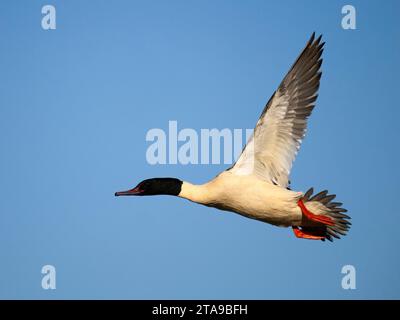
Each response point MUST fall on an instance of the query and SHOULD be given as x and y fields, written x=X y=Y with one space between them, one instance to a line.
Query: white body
x=248 y=196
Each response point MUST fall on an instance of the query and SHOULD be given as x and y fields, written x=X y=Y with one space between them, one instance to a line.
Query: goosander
x=257 y=185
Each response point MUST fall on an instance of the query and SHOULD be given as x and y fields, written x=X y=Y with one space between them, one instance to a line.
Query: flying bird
x=257 y=185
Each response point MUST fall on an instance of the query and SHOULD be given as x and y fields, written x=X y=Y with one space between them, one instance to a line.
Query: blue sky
x=76 y=104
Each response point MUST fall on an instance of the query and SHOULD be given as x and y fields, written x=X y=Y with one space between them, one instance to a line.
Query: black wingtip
x=315 y=41
x=312 y=38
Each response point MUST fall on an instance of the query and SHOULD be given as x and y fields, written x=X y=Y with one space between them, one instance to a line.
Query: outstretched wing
x=271 y=150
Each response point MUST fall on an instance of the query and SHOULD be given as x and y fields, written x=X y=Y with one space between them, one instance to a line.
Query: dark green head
x=155 y=186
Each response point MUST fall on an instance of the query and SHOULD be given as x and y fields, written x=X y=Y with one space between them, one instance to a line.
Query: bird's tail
x=322 y=206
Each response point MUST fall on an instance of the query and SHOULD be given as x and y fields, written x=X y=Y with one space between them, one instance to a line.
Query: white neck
x=195 y=193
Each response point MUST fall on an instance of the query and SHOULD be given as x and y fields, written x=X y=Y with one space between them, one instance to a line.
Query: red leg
x=306 y=235
x=313 y=217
